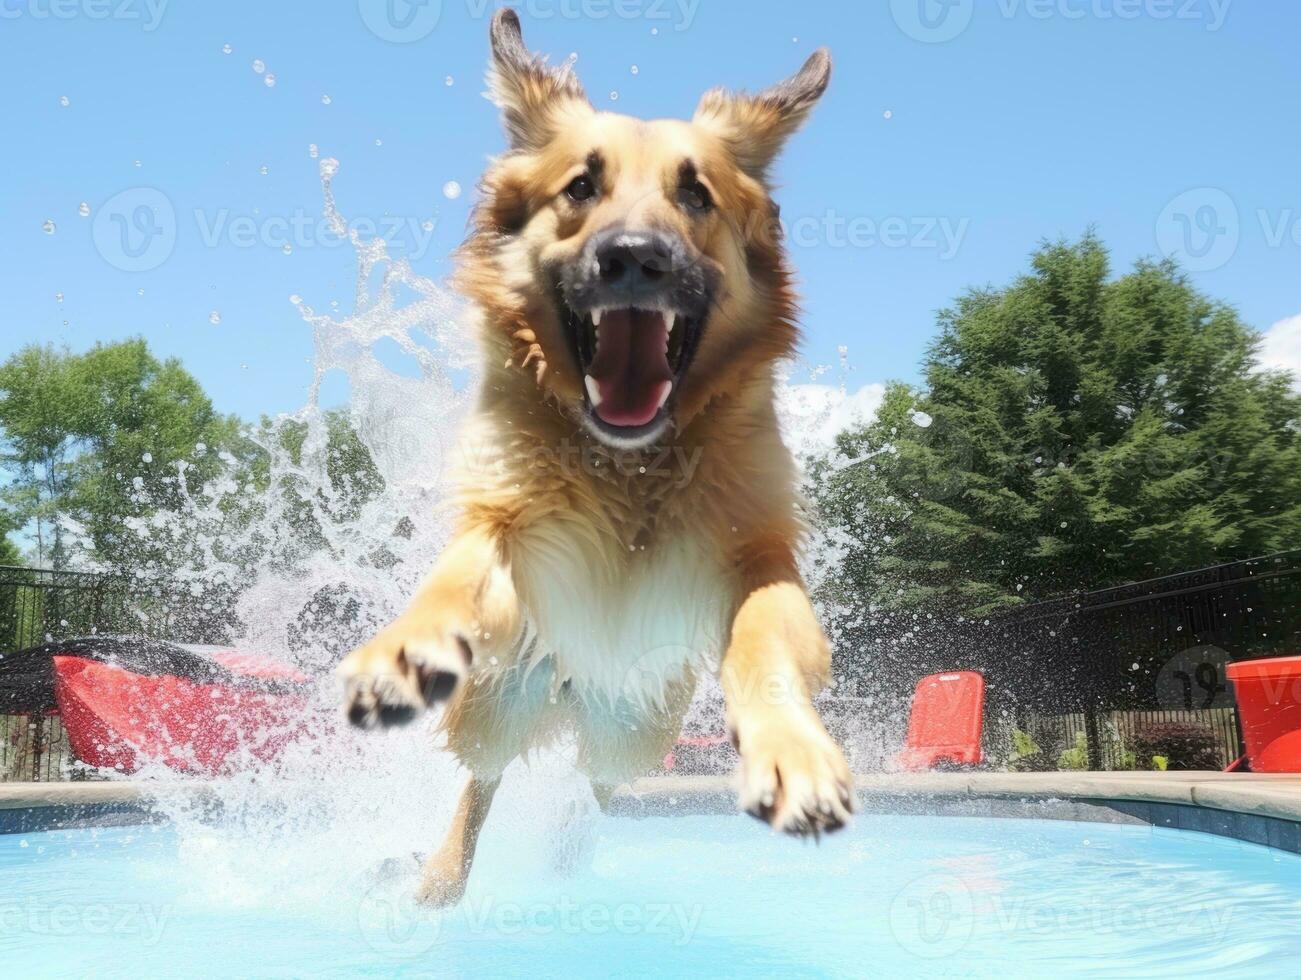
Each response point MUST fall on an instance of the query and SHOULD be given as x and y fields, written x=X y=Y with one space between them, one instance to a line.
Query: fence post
x=1092 y=741
x=37 y=723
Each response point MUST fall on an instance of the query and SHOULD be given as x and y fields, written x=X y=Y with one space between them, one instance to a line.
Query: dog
x=628 y=513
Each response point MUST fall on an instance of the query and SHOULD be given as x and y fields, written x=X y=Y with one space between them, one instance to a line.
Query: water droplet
x=888 y=114
x=147 y=458
x=259 y=65
x=64 y=101
x=138 y=165
x=214 y=317
x=140 y=291
x=263 y=170
x=427 y=225
x=795 y=40
x=449 y=81
x=655 y=31
x=287 y=248
x=312 y=151
x=226 y=49
x=270 y=80
x=379 y=142
x=614 y=96
x=326 y=100
x=1063 y=523
x=451 y=190
x=48 y=227
x=295 y=298
x=58 y=297
x=921 y=419
x=634 y=69
x=83 y=209
x=329 y=167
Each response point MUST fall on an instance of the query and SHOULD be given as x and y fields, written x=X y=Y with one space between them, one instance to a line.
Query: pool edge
x=1257 y=808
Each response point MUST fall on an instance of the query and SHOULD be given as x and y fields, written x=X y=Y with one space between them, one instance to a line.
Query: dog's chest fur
x=619 y=626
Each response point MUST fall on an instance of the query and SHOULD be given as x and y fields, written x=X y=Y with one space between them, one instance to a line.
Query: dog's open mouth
x=631 y=360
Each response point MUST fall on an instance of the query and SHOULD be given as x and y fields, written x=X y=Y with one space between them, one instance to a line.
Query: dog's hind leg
x=603 y=792
x=445 y=874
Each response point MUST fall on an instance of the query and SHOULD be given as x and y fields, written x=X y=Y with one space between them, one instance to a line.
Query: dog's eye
x=581 y=188
x=694 y=196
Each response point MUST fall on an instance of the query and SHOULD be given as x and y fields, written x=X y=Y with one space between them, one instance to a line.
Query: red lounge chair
x=946 y=721
x=1269 y=706
x=126 y=700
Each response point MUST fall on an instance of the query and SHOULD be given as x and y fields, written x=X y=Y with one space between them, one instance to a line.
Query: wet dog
x=628 y=514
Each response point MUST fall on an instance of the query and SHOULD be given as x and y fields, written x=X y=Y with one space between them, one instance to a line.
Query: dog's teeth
x=596 y=318
x=664 y=396
x=668 y=323
x=594 y=390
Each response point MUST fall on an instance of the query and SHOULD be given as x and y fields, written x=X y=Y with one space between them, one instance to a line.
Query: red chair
x=1268 y=693
x=948 y=716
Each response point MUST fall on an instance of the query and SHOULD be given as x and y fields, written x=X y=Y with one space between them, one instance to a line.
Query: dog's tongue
x=631 y=367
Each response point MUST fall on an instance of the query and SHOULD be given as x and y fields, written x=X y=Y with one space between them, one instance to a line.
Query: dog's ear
x=532 y=95
x=756 y=126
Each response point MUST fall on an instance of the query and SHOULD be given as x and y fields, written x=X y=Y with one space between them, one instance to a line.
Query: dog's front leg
x=466 y=608
x=792 y=774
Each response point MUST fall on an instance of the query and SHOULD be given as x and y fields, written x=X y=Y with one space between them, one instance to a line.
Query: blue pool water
x=703 y=896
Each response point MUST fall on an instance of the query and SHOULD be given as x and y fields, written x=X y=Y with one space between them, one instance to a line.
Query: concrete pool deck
x=1260 y=808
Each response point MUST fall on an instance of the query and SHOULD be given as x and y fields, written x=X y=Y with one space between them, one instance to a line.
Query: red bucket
x=1269 y=706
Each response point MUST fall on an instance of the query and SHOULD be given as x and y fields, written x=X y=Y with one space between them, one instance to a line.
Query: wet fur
x=579 y=592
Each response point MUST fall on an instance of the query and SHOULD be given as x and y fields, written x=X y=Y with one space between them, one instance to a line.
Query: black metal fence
x=1093 y=673
x=37 y=605
x=1118 y=664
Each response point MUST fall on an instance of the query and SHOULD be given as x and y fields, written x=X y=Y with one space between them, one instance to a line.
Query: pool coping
x=1259 y=808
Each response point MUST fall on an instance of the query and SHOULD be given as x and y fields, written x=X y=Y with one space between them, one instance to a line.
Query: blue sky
x=956 y=135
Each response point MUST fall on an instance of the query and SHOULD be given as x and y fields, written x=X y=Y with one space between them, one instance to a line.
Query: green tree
x=39 y=406
x=1074 y=432
x=96 y=439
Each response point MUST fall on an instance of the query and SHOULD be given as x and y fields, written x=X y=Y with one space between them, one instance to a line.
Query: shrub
x=1183 y=745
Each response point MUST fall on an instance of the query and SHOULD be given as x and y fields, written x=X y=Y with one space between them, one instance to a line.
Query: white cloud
x=812 y=415
x=1281 y=347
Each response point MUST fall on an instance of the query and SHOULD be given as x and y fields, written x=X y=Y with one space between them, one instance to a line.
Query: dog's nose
x=638 y=262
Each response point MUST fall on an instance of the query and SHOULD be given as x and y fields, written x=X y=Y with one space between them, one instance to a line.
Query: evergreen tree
x=1074 y=432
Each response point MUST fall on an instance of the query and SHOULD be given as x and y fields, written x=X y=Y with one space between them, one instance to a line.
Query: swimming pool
x=663 y=896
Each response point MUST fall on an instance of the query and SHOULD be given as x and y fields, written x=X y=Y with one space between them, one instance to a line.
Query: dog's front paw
x=400 y=673
x=793 y=776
